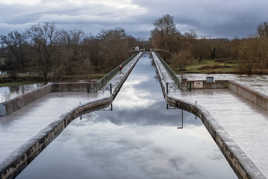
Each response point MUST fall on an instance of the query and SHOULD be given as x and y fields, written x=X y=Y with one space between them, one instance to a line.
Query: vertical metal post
x=195 y=104
x=190 y=86
x=182 y=117
x=167 y=87
x=181 y=127
x=88 y=87
x=111 y=89
x=81 y=116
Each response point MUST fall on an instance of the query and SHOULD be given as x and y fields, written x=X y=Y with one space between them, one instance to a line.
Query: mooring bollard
x=111 y=89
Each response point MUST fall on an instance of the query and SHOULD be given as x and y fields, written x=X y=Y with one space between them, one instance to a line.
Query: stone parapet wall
x=241 y=90
x=249 y=94
x=24 y=155
x=17 y=103
x=238 y=160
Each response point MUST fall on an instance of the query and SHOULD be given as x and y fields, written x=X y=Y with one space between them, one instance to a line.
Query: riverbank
x=214 y=66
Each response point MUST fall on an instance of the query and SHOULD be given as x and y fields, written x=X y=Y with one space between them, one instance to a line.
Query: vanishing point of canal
x=138 y=137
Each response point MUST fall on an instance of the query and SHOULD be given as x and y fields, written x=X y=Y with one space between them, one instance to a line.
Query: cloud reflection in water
x=139 y=139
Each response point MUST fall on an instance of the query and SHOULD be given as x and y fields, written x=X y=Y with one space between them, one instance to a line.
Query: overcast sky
x=210 y=18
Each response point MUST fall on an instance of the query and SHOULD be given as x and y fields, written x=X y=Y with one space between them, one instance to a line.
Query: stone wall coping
x=257 y=93
x=220 y=135
x=27 y=93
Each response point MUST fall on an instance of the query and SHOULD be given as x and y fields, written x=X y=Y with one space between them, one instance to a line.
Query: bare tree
x=113 y=46
x=165 y=35
x=263 y=30
x=70 y=56
x=165 y=25
x=43 y=38
x=15 y=43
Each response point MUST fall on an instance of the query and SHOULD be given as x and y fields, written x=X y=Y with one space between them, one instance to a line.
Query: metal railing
x=171 y=87
x=104 y=80
x=176 y=79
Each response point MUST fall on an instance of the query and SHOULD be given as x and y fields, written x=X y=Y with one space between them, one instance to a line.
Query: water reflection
x=10 y=92
x=136 y=140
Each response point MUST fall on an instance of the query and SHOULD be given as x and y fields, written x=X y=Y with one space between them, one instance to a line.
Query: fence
x=170 y=71
x=104 y=80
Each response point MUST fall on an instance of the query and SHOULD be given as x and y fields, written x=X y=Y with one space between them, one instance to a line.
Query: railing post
x=182 y=117
x=190 y=86
x=181 y=127
x=111 y=89
x=88 y=86
x=167 y=88
x=81 y=116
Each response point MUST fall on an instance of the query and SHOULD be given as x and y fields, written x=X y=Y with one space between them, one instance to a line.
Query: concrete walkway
x=246 y=123
x=21 y=126
x=258 y=83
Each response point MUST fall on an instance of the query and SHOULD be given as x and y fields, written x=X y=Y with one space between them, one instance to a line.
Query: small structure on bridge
x=135 y=49
x=208 y=83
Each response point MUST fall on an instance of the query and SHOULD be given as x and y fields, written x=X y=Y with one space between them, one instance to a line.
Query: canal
x=135 y=138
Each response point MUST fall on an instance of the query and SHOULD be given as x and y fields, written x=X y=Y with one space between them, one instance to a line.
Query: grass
x=211 y=66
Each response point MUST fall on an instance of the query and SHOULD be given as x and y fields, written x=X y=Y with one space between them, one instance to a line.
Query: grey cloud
x=213 y=18
x=210 y=18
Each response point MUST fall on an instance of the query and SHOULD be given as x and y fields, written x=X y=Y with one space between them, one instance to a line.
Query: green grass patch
x=211 y=66
x=95 y=76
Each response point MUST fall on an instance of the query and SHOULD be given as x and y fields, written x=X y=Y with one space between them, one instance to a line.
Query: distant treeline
x=51 y=54
x=251 y=54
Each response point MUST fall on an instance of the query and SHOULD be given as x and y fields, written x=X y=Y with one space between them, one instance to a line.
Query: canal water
x=135 y=138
